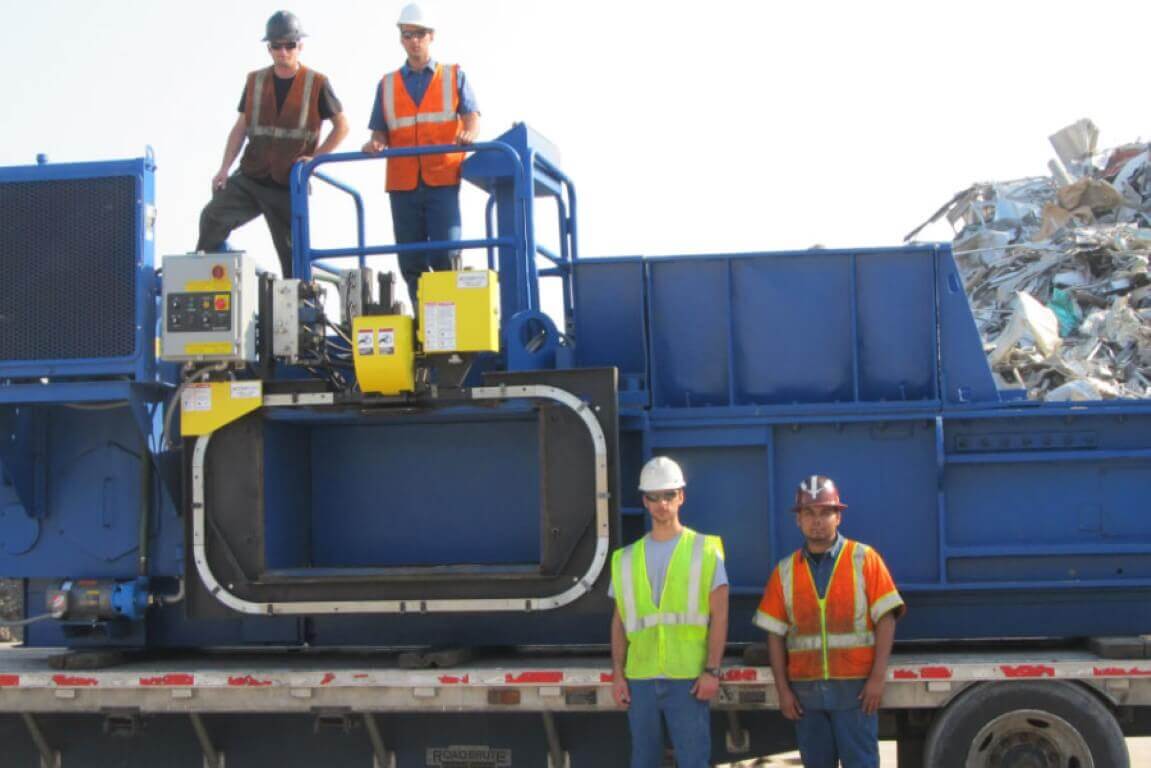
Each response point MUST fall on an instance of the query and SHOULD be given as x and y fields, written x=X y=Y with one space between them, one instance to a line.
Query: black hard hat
x=284 y=25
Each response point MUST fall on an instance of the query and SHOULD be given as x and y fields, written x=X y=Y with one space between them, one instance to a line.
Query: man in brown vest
x=281 y=112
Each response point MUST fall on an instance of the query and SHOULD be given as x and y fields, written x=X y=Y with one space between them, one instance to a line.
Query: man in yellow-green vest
x=669 y=626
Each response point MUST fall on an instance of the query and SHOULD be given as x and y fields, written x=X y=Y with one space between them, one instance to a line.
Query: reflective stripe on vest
x=860 y=637
x=692 y=616
x=300 y=132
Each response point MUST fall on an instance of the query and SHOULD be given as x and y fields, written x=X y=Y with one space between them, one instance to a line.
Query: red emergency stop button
x=218 y=272
x=222 y=303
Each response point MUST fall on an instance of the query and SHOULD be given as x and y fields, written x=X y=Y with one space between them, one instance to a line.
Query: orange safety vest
x=277 y=137
x=435 y=121
x=832 y=638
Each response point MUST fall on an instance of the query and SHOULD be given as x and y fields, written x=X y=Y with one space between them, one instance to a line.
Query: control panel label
x=472 y=280
x=246 y=390
x=439 y=326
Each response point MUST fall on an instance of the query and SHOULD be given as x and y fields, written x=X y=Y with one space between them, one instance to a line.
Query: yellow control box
x=384 y=354
x=460 y=311
x=207 y=406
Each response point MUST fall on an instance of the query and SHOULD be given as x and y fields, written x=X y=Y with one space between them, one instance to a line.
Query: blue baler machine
x=209 y=456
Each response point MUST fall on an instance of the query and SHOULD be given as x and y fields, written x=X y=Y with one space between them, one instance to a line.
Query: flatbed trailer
x=528 y=708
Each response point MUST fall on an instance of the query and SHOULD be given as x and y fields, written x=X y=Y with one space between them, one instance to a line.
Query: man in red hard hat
x=830 y=610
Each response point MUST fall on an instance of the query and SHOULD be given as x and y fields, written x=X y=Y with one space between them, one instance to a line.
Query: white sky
x=687 y=128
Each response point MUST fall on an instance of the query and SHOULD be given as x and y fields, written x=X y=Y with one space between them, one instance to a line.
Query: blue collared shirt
x=822 y=565
x=416 y=84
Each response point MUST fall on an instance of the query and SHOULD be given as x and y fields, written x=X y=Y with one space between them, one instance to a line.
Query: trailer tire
x=1002 y=725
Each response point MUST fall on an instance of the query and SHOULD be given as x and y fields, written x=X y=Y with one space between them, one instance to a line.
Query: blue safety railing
x=548 y=178
x=304 y=254
x=527 y=173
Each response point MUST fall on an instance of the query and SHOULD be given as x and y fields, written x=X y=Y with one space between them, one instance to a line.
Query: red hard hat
x=817 y=491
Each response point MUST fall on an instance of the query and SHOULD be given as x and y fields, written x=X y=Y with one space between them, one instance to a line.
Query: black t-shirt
x=329 y=104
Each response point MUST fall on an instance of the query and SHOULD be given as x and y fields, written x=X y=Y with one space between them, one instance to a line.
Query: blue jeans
x=425 y=214
x=688 y=723
x=833 y=727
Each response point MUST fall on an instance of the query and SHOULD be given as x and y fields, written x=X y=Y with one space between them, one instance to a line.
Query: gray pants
x=240 y=201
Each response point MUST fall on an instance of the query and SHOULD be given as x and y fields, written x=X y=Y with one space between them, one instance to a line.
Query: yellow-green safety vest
x=669 y=639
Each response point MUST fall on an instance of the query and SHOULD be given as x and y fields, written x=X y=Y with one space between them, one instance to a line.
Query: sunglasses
x=659 y=496
x=289 y=46
x=414 y=34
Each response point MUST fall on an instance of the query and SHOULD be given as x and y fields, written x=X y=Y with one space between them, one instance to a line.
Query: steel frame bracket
x=49 y=758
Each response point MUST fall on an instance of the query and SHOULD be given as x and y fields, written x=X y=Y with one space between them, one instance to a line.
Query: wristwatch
x=716 y=672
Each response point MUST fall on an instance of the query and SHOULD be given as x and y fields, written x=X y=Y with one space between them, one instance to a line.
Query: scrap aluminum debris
x=1056 y=268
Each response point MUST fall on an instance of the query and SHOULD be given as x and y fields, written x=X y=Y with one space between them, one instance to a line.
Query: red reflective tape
x=1027 y=670
x=74 y=682
x=606 y=677
x=935 y=673
x=328 y=677
x=534 y=677
x=1112 y=672
x=247 y=681
x=454 y=679
x=175 y=679
x=904 y=674
x=745 y=675
x=9 y=681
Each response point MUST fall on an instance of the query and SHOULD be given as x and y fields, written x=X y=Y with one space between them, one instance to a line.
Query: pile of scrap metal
x=11 y=608
x=1056 y=268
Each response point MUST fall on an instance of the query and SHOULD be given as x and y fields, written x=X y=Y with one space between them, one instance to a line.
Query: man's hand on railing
x=467 y=136
x=374 y=146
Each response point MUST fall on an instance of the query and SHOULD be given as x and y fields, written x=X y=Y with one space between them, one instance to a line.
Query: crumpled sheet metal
x=1084 y=230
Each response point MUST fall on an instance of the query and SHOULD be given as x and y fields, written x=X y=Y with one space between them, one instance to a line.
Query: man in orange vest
x=281 y=112
x=423 y=103
x=830 y=610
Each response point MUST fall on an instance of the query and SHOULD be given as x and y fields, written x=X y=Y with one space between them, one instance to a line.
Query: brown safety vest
x=435 y=120
x=276 y=138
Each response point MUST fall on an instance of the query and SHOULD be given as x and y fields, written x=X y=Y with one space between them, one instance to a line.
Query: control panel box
x=460 y=311
x=210 y=310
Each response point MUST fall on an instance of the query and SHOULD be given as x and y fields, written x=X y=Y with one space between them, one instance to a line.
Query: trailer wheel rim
x=1029 y=738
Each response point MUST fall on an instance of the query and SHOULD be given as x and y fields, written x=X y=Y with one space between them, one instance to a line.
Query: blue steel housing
x=999 y=517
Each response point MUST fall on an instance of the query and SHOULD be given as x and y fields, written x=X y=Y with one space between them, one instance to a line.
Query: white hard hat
x=413 y=16
x=661 y=474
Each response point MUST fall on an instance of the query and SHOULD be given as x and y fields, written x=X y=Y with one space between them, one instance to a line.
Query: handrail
x=359 y=201
x=304 y=254
x=516 y=235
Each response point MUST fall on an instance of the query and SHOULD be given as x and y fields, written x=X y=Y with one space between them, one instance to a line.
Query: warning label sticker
x=469 y=757
x=387 y=341
x=364 y=342
x=196 y=397
x=472 y=280
x=439 y=326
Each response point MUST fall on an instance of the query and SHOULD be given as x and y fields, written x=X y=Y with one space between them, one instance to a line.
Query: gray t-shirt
x=657 y=556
